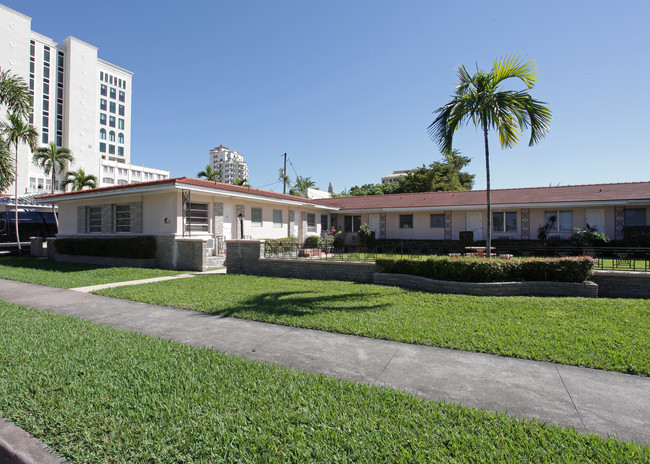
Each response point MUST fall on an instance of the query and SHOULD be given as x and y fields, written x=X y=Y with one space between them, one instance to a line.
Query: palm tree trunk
x=20 y=250
x=56 y=219
x=488 y=237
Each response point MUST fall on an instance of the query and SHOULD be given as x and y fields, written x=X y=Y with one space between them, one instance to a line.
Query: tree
x=374 y=189
x=301 y=186
x=79 y=180
x=49 y=159
x=242 y=182
x=480 y=99
x=15 y=131
x=209 y=174
x=14 y=94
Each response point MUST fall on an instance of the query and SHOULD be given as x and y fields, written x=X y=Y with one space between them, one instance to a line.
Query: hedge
x=140 y=247
x=474 y=269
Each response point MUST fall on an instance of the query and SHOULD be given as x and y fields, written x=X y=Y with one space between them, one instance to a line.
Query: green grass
x=71 y=275
x=610 y=334
x=96 y=394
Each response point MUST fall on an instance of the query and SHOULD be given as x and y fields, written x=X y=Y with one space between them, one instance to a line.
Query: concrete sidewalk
x=604 y=403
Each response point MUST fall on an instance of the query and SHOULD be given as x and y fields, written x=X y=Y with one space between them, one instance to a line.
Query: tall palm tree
x=301 y=186
x=79 y=180
x=16 y=131
x=209 y=174
x=14 y=94
x=480 y=99
x=49 y=159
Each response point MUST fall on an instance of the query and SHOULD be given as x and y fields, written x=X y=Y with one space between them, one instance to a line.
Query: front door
x=474 y=222
x=373 y=224
x=228 y=214
x=595 y=218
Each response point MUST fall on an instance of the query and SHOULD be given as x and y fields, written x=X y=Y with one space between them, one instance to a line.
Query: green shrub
x=365 y=236
x=281 y=245
x=472 y=269
x=140 y=247
x=313 y=241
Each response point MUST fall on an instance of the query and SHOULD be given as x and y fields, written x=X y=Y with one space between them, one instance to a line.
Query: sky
x=348 y=88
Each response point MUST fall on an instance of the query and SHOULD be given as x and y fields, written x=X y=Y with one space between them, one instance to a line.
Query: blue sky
x=348 y=88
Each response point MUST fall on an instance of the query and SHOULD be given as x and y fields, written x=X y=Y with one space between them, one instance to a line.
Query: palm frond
x=513 y=67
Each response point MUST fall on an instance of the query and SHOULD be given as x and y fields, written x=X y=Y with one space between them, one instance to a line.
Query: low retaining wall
x=171 y=253
x=247 y=257
x=586 y=289
x=622 y=284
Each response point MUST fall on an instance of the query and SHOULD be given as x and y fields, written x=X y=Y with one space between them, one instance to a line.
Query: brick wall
x=621 y=284
x=587 y=289
x=247 y=257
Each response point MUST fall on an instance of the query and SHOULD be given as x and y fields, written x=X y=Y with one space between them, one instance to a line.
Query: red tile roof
x=184 y=181
x=562 y=194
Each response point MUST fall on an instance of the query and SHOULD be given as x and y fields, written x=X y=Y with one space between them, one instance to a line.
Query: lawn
x=609 y=334
x=96 y=394
x=71 y=275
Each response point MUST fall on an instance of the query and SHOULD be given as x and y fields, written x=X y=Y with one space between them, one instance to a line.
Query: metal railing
x=607 y=258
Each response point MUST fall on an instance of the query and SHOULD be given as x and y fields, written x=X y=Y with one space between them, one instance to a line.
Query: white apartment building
x=79 y=102
x=229 y=163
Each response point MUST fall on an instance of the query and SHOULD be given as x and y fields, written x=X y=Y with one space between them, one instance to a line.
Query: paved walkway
x=599 y=402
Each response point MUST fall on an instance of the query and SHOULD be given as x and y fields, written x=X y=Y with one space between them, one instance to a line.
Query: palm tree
x=242 y=182
x=209 y=174
x=301 y=186
x=14 y=94
x=50 y=159
x=79 y=180
x=480 y=99
x=16 y=131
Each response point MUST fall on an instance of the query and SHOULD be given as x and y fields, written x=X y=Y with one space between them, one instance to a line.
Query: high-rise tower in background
x=229 y=163
x=79 y=102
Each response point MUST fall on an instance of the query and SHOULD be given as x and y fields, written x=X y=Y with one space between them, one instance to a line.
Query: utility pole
x=284 y=175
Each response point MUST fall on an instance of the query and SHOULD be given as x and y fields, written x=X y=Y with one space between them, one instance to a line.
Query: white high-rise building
x=229 y=163
x=79 y=102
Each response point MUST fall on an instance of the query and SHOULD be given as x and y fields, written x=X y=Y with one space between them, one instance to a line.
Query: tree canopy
x=442 y=175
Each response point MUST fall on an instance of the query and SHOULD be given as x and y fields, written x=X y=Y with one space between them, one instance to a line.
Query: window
x=405 y=221
x=311 y=223
x=559 y=221
x=102 y=118
x=102 y=134
x=104 y=90
x=504 y=221
x=323 y=222
x=113 y=93
x=44 y=137
x=437 y=221
x=101 y=75
x=111 y=149
x=635 y=216
x=111 y=107
x=111 y=121
x=122 y=218
x=94 y=219
x=102 y=104
x=196 y=217
x=46 y=88
x=352 y=223
x=120 y=123
x=121 y=110
x=111 y=136
x=107 y=181
x=121 y=94
x=120 y=151
x=277 y=218
x=102 y=145
x=256 y=217
x=120 y=138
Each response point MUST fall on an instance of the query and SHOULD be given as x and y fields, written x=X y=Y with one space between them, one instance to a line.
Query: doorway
x=474 y=222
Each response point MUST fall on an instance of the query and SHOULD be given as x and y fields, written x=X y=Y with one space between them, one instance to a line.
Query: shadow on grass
x=27 y=262
x=297 y=304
